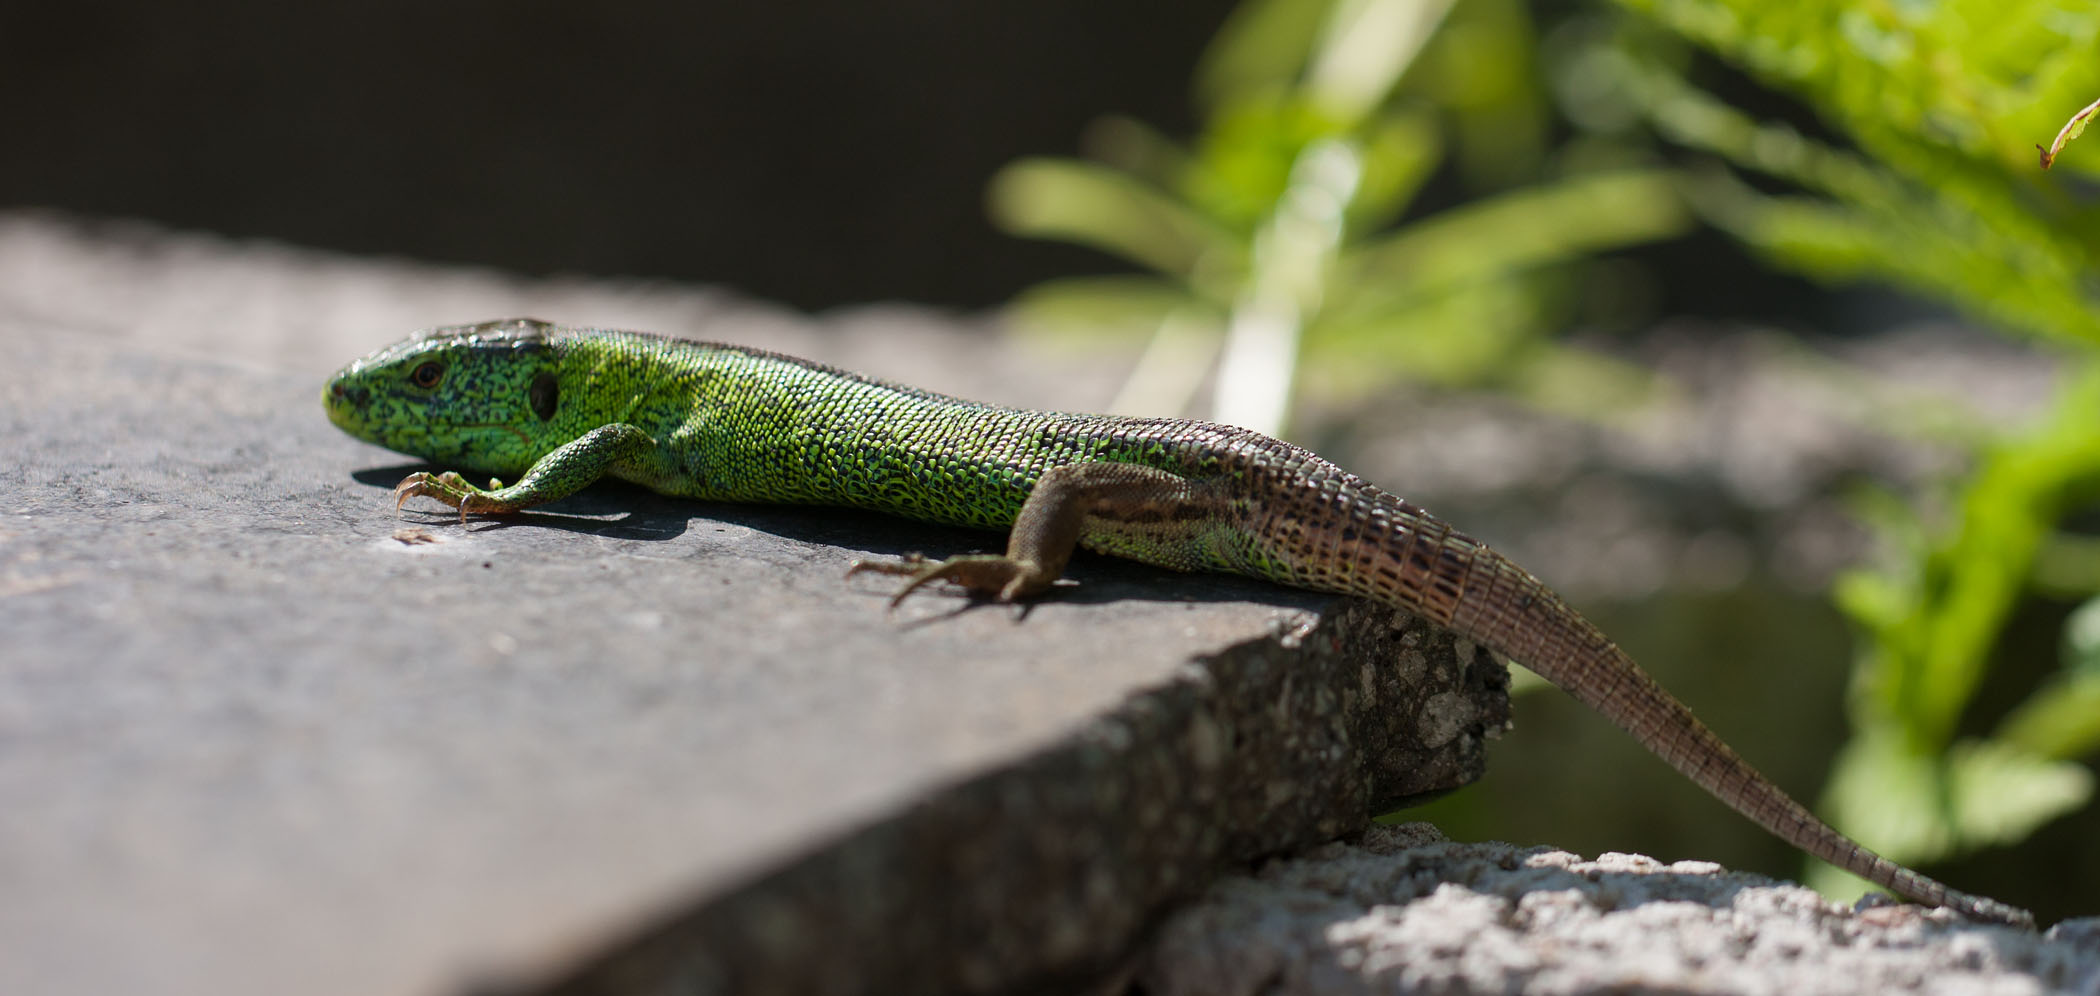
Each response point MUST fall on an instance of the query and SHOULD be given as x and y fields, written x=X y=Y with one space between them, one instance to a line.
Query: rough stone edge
x=1401 y=908
x=1047 y=873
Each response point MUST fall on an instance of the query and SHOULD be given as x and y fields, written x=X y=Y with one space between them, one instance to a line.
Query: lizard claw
x=910 y=563
x=419 y=484
x=449 y=488
x=476 y=503
x=994 y=575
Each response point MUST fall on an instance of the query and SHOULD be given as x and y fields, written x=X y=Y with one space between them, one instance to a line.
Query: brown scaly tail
x=1482 y=595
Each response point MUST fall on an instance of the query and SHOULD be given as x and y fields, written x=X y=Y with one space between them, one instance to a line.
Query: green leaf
x=1919 y=209
x=1136 y=148
x=2062 y=718
x=1889 y=797
x=1243 y=164
x=1262 y=48
x=1399 y=152
x=1460 y=336
x=2082 y=640
x=1912 y=809
x=2068 y=566
x=1100 y=207
x=2002 y=793
x=1483 y=68
x=1514 y=231
x=2002 y=277
x=1873 y=599
x=1925 y=662
x=1364 y=48
x=1119 y=304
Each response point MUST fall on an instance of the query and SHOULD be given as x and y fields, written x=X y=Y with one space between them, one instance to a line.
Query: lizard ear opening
x=544 y=395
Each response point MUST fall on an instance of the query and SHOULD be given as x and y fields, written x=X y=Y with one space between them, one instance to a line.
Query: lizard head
x=481 y=397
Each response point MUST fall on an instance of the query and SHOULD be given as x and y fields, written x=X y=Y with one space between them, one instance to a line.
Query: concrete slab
x=259 y=735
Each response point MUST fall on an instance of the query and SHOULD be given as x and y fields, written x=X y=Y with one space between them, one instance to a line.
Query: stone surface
x=1402 y=910
x=258 y=735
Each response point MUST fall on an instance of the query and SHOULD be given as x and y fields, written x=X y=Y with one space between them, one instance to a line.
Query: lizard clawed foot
x=996 y=575
x=449 y=488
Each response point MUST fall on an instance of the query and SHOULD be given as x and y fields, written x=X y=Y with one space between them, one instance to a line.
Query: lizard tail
x=1484 y=596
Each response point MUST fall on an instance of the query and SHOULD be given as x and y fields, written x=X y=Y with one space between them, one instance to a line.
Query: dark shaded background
x=816 y=153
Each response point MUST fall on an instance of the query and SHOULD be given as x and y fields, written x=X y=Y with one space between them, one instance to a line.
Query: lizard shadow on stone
x=1090 y=579
x=620 y=510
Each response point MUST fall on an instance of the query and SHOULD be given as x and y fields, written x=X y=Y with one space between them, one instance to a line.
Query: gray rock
x=1402 y=910
x=259 y=735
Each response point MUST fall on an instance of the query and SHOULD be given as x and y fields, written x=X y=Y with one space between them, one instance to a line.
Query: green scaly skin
x=559 y=408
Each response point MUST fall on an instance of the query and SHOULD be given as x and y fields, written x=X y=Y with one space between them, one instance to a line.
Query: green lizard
x=565 y=407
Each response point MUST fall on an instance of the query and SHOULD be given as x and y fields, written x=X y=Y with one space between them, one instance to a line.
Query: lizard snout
x=354 y=396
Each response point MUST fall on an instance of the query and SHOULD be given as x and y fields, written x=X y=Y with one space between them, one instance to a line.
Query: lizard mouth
x=523 y=439
x=346 y=408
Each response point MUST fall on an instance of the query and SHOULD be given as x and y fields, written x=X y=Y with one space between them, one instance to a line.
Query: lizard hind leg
x=1117 y=506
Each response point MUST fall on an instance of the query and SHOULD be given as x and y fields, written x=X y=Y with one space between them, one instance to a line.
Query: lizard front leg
x=567 y=470
x=1133 y=510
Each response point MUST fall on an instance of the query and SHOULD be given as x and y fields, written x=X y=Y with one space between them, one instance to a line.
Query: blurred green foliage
x=1936 y=190
x=1275 y=236
x=1285 y=237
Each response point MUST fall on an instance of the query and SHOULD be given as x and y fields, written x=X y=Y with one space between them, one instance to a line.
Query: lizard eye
x=544 y=395
x=427 y=375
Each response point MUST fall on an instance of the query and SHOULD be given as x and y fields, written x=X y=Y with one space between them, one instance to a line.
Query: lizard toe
x=910 y=563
